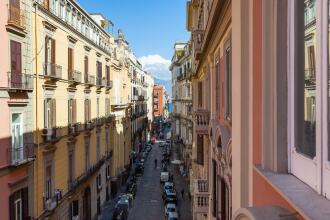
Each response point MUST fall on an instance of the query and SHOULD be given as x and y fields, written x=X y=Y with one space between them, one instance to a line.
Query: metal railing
x=19 y=155
x=16 y=17
x=99 y=81
x=89 y=79
x=75 y=76
x=53 y=70
x=20 y=81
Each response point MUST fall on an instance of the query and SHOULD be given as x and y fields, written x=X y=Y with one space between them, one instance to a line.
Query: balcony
x=75 y=76
x=197 y=37
x=16 y=17
x=202 y=119
x=89 y=80
x=52 y=70
x=20 y=81
x=74 y=129
x=89 y=125
x=99 y=82
x=107 y=83
x=201 y=197
x=99 y=122
x=19 y=155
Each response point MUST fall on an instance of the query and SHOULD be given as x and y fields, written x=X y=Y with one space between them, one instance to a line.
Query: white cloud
x=157 y=66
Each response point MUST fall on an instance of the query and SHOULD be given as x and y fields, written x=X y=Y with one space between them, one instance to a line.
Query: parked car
x=164 y=177
x=168 y=185
x=173 y=216
x=170 y=207
x=169 y=196
x=139 y=169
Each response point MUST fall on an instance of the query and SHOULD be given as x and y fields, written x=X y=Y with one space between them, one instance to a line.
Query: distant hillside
x=167 y=84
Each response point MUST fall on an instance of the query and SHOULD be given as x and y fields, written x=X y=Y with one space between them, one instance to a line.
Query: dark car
x=139 y=169
x=169 y=196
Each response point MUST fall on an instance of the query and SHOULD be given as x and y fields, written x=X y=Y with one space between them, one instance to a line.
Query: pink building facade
x=16 y=112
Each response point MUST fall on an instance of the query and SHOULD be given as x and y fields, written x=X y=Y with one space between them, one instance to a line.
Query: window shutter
x=86 y=69
x=25 y=203
x=46 y=53
x=53 y=112
x=89 y=110
x=45 y=114
x=11 y=207
x=53 y=48
x=200 y=150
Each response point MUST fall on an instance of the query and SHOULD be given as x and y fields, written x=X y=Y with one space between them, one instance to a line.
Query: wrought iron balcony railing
x=75 y=76
x=19 y=155
x=18 y=81
x=53 y=70
x=89 y=79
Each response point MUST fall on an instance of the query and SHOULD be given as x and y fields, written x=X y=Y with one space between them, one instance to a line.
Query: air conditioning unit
x=50 y=204
x=48 y=133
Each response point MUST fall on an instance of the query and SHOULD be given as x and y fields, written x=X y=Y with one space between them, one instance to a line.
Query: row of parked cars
x=169 y=194
x=125 y=202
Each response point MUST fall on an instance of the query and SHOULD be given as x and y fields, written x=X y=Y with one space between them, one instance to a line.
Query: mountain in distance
x=167 y=84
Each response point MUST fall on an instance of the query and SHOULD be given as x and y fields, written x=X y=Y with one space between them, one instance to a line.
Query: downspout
x=36 y=111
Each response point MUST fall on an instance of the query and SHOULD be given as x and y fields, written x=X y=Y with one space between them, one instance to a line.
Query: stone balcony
x=201 y=197
x=202 y=119
x=197 y=37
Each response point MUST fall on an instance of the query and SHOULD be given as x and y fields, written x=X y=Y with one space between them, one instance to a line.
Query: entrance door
x=87 y=204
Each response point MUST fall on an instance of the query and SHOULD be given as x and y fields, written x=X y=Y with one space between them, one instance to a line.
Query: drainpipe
x=36 y=106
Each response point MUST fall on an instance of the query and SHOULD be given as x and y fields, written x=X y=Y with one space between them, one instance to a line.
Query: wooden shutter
x=74 y=111
x=53 y=113
x=99 y=69
x=46 y=52
x=89 y=110
x=25 y=203
x=70 y=63
x=200 y=94
x=217 y=85
x=108 y=72
x=46 y=4
x=200 y=150
x=86 y=69
x=11 y=207
x=53 y=48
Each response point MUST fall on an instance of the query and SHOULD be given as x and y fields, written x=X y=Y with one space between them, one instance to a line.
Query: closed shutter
x=74 y=110
x=25 y=201
x=45 y=114
x=46 y=52
x=200 y=94
x=89 y=110
x=99 y=69
x=11 y=207
x=108 y=72
x=217 y=85
x=200 y=150
x=86 y=69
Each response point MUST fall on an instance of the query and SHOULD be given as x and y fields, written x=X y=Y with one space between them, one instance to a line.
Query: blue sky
x=150 y=26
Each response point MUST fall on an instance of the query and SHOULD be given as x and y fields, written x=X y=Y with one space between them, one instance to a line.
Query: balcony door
x=16 y=64
x=50 y=46
x=17 y=137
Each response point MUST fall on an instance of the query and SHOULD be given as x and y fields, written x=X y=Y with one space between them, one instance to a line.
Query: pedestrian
x=182 y=193
x=155 y=163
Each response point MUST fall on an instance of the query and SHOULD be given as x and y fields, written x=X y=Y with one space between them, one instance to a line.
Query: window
x=71 y=166
x=74 y=209
x=87 y=160
x=98 y=182
x=50 y=54
x=18 y=204
x=228 y=83
x=217 y=85
x=48 y=182
x=225 y=204
x=16 y=137
x=87 y=110
x=97 y=107
x=200 y=150
x=50 y=113
x=16 y=64
x=107 y=107
x=309 y=95
x=70 y=64
x=86 y=69
x=98 y=146
x=200 y=94
x=99 y=72
x=72 y=112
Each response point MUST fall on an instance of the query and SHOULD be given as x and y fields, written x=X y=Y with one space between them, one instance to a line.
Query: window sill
x=300 y=196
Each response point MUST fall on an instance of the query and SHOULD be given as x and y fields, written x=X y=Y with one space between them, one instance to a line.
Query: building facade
x=182 y=123
x=16 y=99
x=72 y=62
x=260 y=100
x=158 y=101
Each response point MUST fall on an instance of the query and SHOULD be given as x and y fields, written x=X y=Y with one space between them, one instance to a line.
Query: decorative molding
x=87 y=48
x=49 y=26
x=72 y=39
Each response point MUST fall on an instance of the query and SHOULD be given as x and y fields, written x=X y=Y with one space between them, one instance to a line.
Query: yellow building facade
x=83 y=140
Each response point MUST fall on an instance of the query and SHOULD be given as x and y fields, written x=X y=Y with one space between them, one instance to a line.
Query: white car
x=170 y=207
x=164 y=177
x=173 y=216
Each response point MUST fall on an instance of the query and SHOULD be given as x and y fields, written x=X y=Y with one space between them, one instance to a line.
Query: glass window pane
x=305 y=88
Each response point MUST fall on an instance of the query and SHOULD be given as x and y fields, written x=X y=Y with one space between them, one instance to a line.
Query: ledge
x=300 y=196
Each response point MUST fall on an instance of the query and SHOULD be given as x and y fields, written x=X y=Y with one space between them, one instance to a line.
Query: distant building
x=158 y=101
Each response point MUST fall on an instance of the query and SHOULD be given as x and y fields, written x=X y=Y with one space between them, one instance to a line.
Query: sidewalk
x=180 y=182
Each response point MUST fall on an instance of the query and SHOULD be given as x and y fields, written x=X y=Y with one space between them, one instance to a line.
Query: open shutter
x=25 y=203
x=53 y=107
x=53 y=46
x=70 y=63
